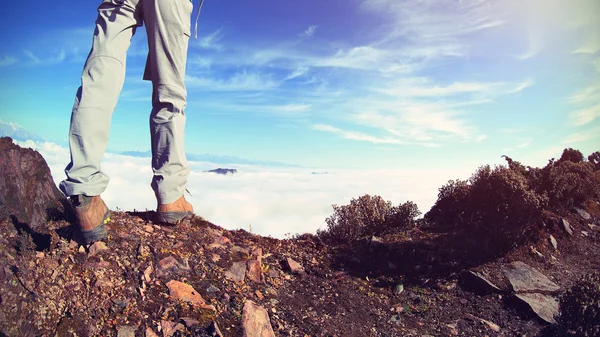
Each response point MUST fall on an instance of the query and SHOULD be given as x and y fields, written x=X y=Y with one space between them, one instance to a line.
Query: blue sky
x=337 y=84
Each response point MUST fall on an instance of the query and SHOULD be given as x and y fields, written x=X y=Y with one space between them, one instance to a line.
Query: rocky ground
x=198 y=279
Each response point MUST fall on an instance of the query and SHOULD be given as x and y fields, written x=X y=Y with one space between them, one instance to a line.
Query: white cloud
x=210 y=41
x=243 y=81
x=353 y=135
x=7 y=61
x=300 y=71
x=273 y=202
x=586 y=115
x=310 y=31
x=525 y=84
x=582 y=136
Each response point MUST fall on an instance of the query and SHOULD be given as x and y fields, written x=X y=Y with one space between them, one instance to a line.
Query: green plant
x=367 y=216
x=580 y=308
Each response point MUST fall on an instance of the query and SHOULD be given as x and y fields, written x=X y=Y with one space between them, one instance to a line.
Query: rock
x=189 y=322
x=238 y=249
x=259 y=295
x=96 y=248
x=237 y=272
x=493 y=326
x=553 y=242
x=150 y=333
x=169 y=328
x=186 y=293
x=221 y=240
x=149 y=228
x=170 y=266
x=213 y=330
x=27 y=191
x=524 y=278
x=148 y=273
x=126 y=331
x=546 y=307
x=585 y=215
x=293 y=266
x=399 y=289
x=536 y=252
x=478 y=283
x=255 y=321
x=254 y=272
x=567 y=227
x=592 y=227
x=274 y=273
x=212 y=289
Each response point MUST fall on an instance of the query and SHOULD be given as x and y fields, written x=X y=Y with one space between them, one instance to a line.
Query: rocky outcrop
x=529 y=286
x=28 y=194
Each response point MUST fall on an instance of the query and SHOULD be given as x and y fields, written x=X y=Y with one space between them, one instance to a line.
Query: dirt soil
x=406 y=285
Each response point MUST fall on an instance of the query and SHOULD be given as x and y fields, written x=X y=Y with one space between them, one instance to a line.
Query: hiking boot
x=92 y=214
x=175 y=212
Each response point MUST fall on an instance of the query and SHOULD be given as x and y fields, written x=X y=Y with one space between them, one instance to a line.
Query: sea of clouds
x=269 y=201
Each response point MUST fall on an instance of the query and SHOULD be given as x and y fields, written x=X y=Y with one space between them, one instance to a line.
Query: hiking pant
x=168 y=28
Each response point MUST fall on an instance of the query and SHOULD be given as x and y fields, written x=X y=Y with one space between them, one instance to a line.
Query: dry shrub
x=495 y=202
x=580 y=308
x=367 y=216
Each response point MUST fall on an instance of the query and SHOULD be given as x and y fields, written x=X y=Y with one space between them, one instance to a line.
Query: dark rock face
x=28 y=194
x=223 y=171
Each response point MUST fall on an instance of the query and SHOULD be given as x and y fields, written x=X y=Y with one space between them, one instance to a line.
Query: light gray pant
x=168 y=28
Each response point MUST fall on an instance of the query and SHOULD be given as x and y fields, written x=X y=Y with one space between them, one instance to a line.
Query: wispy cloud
x=211 y=41
x=51 y=60
x=7 y=61
x=356 y=135
x=310 y=31
x=242 y=81
x=586 y=115
x=582 y=136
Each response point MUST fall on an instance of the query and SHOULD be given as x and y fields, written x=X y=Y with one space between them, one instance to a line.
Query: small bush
x=594 y=159
x=580 y=308
x=571 y=155
x=367 y=216
x=570 y=183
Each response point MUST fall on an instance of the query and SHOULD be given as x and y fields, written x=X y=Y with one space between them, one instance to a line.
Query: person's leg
x=101 y=82
x=168 y=29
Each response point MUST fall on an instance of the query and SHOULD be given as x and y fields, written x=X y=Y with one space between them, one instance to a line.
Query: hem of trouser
x=168 y=198
x=70 y=188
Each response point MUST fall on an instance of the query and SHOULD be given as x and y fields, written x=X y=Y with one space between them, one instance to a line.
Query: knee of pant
x=169 y=97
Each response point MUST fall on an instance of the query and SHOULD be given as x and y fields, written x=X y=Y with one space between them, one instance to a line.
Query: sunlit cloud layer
x=269 y=201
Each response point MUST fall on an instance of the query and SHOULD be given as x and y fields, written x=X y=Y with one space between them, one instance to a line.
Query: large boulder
x=28 y=194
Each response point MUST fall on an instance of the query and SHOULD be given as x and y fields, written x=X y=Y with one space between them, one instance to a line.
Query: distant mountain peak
x=17 y=132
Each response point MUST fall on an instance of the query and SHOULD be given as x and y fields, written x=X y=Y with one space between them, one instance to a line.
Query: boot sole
x=172 y=218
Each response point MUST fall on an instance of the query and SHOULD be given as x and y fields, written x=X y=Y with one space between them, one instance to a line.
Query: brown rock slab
x=293 y=266
x=254 y=272
x=97 y=247
x=126 y=331
x=169 y=328
x=169 y=265
x=189 y=322
x=546 y=307
x=150 y=333
x=567 y=227
x=255 y=321
x=221 y=240
x=186 y=293
x=237 y=272
x=524 y=278
x=478 y=283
